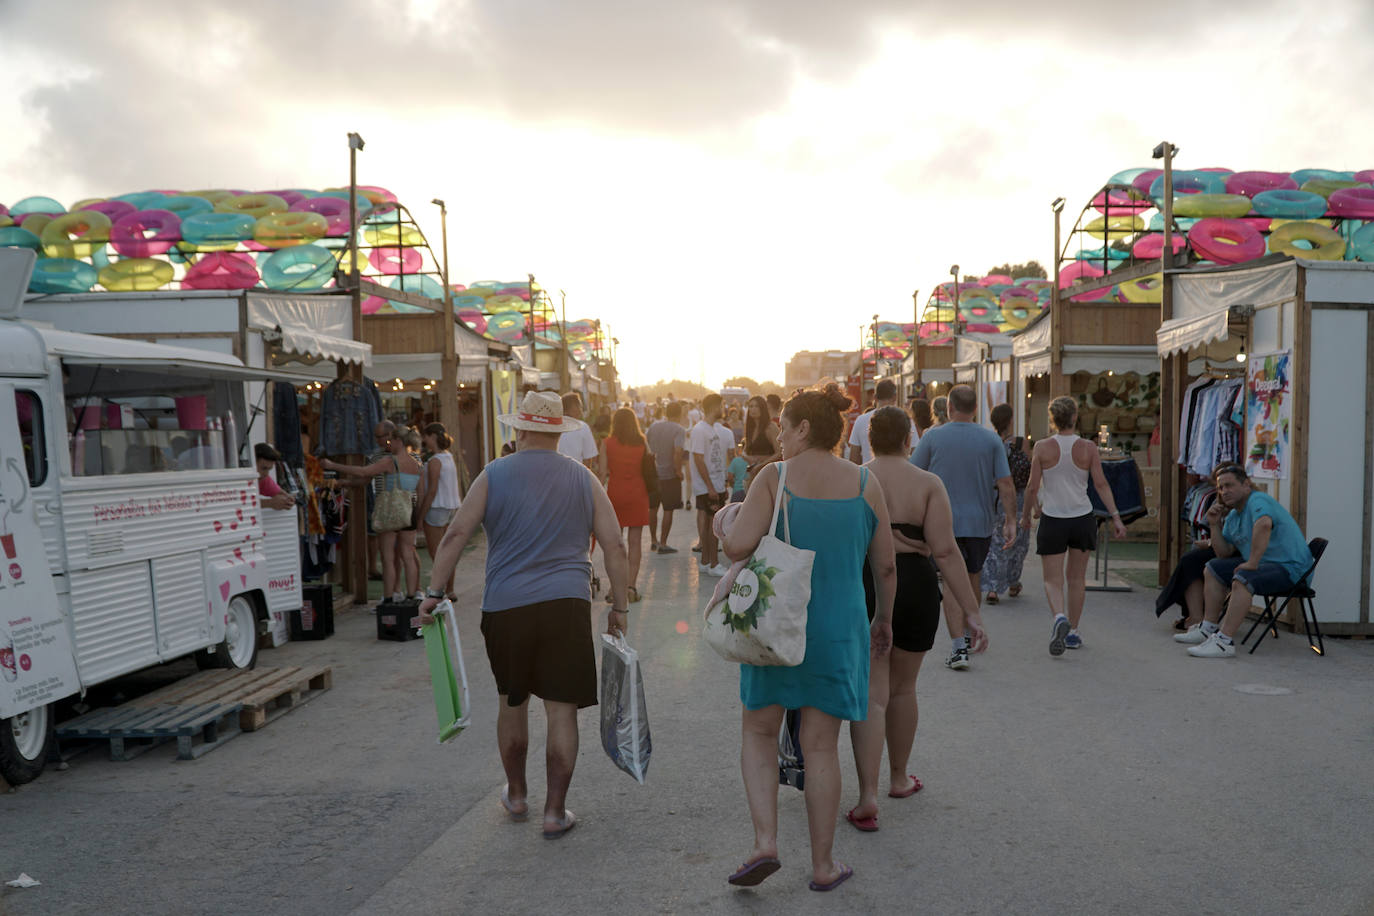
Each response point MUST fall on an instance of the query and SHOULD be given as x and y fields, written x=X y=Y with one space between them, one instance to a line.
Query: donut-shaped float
x=1105 y=226
x=1226 y=241
x=61 y=275
x=114 y=209
x=221 y=270
x=36 y=205
x=35 y=222
x=1128 y=176
x=934 y=330
x=469 y=302
x=19 y=237
x=142 y=200
x=1016 y=294
x=506 y=326
x=75 y=235
x=214 y=195
x=1142 y=289
x=289 y=196
x=393 y=261
x=1352 y=203
x=392 y=236
x=1302 y=176
x=216 y=231
x=300 y=267
x=143 y=233
x=373 y=195
x=283 y=230
x=1119 y=200
x=1082 y=270
x=136 y=275
x=473 y=318
x=1290 y=204
x=1016 y=315
x=1327 y=186
x=1211 y=205
x=1152 y=245
x=1145 y=179
x=374 y=304
x=1361 y=243
x=420 y=285
x=1253 y=182
x=503 y=302
x=254 y=205
x=1190 y=181
x=1326 y=243
x=184 y=205
x=334 y=211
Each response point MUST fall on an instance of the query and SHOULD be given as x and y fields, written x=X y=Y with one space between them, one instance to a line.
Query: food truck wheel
x=25 y=742
x=240 y=646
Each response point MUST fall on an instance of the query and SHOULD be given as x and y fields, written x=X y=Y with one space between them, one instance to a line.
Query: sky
x=721 y=183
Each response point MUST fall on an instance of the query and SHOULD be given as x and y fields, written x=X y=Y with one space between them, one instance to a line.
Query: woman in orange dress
x=622 y=461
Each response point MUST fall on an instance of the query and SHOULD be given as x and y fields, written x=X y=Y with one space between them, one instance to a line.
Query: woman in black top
x=760 y=436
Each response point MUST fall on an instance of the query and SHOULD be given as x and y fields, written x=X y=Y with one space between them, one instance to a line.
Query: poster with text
x=1268 y=412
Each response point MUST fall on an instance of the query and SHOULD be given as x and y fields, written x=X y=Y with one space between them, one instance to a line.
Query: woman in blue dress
x=837 y=510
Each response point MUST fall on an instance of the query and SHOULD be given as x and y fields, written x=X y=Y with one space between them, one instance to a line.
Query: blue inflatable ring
x=1290 y=204
x=19 y=237
x=62 y=275
x=298 y=267
x=216 y=231
x=1190 y=182
x=1361 y=243
x=185 y=205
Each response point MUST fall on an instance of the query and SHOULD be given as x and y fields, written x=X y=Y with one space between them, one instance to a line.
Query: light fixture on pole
x=1057 y=205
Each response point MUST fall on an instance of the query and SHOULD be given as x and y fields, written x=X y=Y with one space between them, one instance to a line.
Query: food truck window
x=30 y=411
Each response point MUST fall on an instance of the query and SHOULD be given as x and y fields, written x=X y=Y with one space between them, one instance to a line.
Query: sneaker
x=666 y=549
x=696 y=548
x=1192 y=636
x=1059 y=634
x=1213 y=648
x=958 y=660
x=1073 y=641
x=718 y=570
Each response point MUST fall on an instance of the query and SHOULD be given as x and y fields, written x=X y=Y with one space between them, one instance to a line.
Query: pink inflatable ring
x=1352 y=203
x=1226 y=241
x=144 y=233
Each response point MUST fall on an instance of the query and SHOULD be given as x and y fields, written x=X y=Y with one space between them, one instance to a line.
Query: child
x=736 y=474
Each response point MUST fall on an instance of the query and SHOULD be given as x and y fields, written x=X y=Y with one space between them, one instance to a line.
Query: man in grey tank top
x=540 y=510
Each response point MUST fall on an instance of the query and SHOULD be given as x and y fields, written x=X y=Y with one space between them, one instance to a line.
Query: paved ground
x=1122 y=778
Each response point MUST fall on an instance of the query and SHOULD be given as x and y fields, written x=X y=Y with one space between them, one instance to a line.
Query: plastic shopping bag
x=624 y=715
x=446 y=671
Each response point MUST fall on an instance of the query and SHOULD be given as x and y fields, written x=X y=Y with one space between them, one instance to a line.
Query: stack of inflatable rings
x=75 y=235
x=221 y=270
x=136 y=275
x=300 y=267
x=282 y=230
x=1226 y=241
x=254 y=205
x=129 y=236
x=1290 y=204
x=1209 y=205
x=334 y=211
x=216 y=231
x=62 y=275
x=1328 y=244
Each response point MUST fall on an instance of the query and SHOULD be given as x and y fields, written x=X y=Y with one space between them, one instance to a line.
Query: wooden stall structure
x=926 y=369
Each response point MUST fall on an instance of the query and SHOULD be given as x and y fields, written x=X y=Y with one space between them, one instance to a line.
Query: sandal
x=634 y=595
x=1014 y=591
x=992 y=598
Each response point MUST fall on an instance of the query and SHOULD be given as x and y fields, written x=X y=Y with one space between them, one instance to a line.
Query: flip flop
x=845 y=873
x=752 y=873
x=515 y=813
x=911 y=790
x=866 y=824
x=568 y=823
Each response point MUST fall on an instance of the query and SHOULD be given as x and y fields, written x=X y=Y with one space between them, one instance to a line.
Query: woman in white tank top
x=1061 y=467
x=439 y=497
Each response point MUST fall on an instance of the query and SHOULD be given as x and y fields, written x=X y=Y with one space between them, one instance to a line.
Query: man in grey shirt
x=667 y=441
x=971 y=461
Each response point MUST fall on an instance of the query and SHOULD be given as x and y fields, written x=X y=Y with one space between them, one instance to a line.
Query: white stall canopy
x=1031 y=347
x=314 y=328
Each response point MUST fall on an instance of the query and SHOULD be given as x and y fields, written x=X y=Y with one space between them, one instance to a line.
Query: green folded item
x=446 y=672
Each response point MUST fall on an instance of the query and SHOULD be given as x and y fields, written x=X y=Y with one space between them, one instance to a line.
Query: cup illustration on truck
x=8 y=669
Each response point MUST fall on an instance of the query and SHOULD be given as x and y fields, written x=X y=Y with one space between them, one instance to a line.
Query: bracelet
x=624 y=610
x=434 y=593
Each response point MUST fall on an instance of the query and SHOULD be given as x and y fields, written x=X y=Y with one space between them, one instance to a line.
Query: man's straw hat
x=540 y=412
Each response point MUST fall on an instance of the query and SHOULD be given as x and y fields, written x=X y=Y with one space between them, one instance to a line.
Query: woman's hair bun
x=835 y=396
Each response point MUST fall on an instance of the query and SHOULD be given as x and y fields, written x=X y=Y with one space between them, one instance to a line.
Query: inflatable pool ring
x=364 y=205
x=995 y=280
x=1016 y=295
x=500 y=303
x=286 y=194
x=334 y=211
x=283 y=230
x=1152 y=246
x=1145 y=179
x=1118 y=200
x=136 y=275
x=1290 y=204
x=1181 y=223
x=75 y=235
x=1143 y=289
x=1327 y=244
x=143 y=200
x=387 y=235
x=4 y=210
x=1016 y=316
x=61 y=275
x=374 y=196
x=184 y=205
x=932 y=330
x=1082 y=270
x=213 y=195
x=1352 y=203
x=1190 y=181
x=487 y=284
x=1302 y=176
x=221 y=270
x=114 y=209
x=5 y=220
x=216 y=231
x=300 y=267
x=392 y=261
x=1252 y=183
x=374 y=304
x=1114 y=226
x=506 y=326
x=349 y=261
x=36 y=205
x=419 y=285
x=519 y=292
x=19 y=237
x=1127 y=176
x=144 y=232
x=1362 y=242
x=1327 y=186
x=1229 y=206
x=1258 y=223
x=1226 y=241
x=469 y=302
x=100 y=258
x=255 y=205
x=473 y=319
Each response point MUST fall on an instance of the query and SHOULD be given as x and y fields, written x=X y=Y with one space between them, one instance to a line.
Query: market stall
x=983 y=362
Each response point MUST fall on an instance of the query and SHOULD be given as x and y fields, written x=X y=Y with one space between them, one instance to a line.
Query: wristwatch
x=434 y=593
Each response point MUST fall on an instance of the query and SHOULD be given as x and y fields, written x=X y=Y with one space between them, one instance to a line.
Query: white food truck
x=128 y=537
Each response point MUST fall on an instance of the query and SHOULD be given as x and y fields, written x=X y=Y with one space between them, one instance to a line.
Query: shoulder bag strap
x=780 y=506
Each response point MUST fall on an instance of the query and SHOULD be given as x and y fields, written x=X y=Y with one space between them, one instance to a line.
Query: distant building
x=810 y=366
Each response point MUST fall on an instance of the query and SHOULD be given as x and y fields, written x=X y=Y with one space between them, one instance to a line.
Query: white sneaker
x=1213 y=648
x=1194 y=635
x=718 y=570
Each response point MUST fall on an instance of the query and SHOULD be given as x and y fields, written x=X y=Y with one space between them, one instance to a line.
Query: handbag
x=392 y=509
x=648 y=469
x=762 y=620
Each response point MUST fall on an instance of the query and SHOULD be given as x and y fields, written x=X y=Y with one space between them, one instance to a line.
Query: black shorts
x=974 y=552
x=544 y=649
x=1059 y=535
x=708 y=503
x=654 y=498
x=670 y=493
x=916 y=610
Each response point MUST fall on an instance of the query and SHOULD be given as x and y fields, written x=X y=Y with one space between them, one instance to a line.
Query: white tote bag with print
x=762 y=621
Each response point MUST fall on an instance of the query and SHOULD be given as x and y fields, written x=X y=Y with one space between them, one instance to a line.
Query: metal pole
x=566 y=380
x=448 y=367
x=915 y=343
x=355 y=535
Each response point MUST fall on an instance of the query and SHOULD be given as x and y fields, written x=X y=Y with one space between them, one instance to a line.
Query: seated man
x=1259 y=548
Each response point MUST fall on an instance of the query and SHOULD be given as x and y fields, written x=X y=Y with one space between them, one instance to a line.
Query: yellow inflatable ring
x=1228 y=206
x=505 y=303
x=1118 y=226
x=75 y=235
x=254 y=205
x=1327 y=244
x=295 y=227
x=1016 y=315
x=1145 y=289
x=214 y=196
x=136 y=275
x=389 y=235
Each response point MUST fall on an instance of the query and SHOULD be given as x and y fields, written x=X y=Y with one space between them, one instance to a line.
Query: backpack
x=1019 y=462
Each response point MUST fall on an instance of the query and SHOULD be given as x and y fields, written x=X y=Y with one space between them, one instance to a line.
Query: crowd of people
x=911 y=512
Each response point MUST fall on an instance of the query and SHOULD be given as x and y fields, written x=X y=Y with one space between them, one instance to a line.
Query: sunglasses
x=1233 y=469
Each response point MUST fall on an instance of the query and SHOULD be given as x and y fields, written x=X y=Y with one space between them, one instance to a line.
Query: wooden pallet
x=197 y=729
x=263 y=694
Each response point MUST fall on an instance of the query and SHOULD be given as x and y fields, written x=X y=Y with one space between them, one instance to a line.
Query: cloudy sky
x=723 y=183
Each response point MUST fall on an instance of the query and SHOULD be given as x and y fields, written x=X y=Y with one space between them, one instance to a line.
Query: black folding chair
x=1303 y=593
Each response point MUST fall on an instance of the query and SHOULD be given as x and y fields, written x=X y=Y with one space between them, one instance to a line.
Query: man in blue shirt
x=971 y=461
x=1259 y=548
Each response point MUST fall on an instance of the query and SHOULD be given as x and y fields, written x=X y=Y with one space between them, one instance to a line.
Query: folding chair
x=1303 y=593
